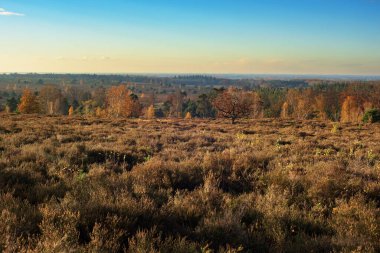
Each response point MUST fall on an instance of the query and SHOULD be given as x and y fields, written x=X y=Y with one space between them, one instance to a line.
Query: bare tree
x=233 y=104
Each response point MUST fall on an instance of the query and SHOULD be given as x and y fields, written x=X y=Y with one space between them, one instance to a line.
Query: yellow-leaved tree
x=122 y=103
x=28 y=102
x=150 y=112
x=351 y=111
x=71 y=111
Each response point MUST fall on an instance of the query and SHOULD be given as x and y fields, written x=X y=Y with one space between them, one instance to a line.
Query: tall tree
x=122 y=103
x=351 y=110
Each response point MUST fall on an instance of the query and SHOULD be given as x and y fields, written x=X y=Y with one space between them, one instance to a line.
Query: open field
x=114 y=185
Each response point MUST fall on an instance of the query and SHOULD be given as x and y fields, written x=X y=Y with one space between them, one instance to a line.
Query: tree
x=233 y=104
x=257 y=106
x=204 y=107
x=300 y=104
x=150 y=112
x=28 y=102
x=188 y=116
x=11 y=104
x=176 y=101
x=122 y=103
x=71 y=111
x=190 y=106
x=285 y=110
x=351 y=111
x=133 y=106
x=372 y=116
x=52 y=100
x=332 y=104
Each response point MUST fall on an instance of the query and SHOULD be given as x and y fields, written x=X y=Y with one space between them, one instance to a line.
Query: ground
x=114 y=185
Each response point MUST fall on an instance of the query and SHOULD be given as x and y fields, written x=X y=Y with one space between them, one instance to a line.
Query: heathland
x=86 y=184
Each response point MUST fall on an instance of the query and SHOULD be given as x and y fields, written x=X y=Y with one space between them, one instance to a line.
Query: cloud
x=3 y=12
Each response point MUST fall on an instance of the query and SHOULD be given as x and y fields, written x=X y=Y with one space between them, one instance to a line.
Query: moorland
x=86 y=184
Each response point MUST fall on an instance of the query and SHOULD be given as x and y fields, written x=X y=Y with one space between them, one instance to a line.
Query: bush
x=372 y=116
x=106 y=185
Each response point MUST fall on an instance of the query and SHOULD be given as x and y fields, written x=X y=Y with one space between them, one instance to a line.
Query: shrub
x=357 y=226
x=372 y=116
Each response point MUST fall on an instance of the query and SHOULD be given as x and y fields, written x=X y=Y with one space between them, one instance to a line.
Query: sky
x=191 y=36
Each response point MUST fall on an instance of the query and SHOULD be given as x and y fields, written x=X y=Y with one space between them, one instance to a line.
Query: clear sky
x=191 y=36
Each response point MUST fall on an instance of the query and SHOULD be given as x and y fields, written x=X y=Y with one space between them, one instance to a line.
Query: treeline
x=335 y=102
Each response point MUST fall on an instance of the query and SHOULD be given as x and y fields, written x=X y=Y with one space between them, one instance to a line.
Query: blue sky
x=191 y=36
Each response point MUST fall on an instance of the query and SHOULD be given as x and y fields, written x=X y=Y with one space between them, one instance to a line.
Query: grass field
x=114 y=185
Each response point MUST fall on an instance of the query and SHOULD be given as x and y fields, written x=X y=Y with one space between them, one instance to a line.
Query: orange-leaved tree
x=71 y=111
x=28 y=102
x=188 y=116
x=351 y=110
x=122 y=103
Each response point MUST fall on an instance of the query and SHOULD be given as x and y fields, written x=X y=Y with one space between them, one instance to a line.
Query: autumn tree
x=150 y=112
x=71 y=111
x=351 y=110
x=233 y=104
x=122 y=103
x=300 y=104
x=28 y=102
x=285 y=110
x=116 y=100
x=188 y=116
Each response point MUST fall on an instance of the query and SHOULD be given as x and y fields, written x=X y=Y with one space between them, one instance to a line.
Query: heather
x=85 y=184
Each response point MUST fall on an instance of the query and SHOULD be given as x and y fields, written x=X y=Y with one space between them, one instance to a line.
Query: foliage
x=28 y=102
x=151 y=112
x=71 y=111
x=122 y=102
x=371 y=116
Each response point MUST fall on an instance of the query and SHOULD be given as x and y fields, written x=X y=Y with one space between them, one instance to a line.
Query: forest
x=350 y=101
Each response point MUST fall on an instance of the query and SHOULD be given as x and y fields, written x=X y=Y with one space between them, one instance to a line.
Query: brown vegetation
x=69 y=184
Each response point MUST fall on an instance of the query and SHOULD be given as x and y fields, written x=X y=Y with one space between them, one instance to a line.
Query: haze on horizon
x=191 y=36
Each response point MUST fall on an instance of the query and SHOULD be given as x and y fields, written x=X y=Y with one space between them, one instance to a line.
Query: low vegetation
x=72 y=184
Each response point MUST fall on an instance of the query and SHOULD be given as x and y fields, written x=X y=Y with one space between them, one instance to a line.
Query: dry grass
x=102 y=185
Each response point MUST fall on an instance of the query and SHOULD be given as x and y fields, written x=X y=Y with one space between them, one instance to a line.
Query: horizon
x=296 y=38
x=171 y=74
